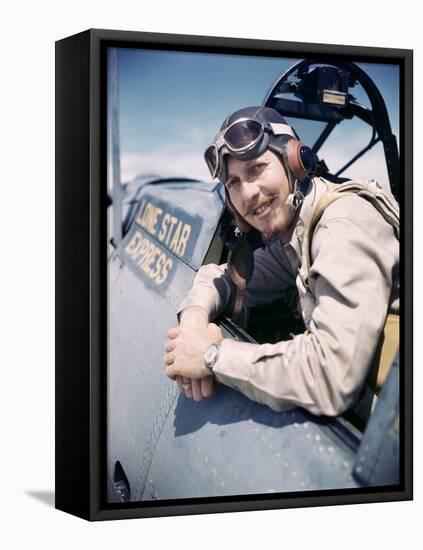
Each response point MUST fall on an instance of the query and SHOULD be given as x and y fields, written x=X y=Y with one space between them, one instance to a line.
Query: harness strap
x=385 y=353
x=370 y=190
x=240 y=267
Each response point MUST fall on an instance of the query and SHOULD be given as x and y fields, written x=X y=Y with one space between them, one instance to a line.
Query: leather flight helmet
x=249 y=132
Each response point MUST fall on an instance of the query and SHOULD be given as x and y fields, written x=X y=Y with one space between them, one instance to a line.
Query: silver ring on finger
x=186 y=386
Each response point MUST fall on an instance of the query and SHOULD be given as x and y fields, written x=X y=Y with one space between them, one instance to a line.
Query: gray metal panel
x=197 y=201
x=229 y=445
x=139 y=394
x=378 y=459
x=141 y=310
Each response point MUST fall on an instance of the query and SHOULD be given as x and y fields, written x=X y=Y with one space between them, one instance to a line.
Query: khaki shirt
x=355 y=266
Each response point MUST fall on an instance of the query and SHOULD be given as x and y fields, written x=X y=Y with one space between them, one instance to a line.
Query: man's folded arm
x=214 y=291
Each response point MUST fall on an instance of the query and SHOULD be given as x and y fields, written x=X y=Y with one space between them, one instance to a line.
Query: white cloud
x=164 y=163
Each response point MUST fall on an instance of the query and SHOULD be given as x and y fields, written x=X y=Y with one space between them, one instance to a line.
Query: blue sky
x=171 y=105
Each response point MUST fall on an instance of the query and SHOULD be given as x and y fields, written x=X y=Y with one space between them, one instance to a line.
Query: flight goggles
x=244 y=139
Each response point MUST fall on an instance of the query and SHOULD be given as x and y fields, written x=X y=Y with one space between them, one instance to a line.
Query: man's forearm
x=211 y=291
x=195 y=317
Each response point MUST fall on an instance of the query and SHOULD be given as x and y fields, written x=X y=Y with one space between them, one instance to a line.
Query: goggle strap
x=278 y=128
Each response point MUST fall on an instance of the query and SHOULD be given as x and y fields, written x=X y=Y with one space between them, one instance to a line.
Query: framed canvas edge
x=91 y=450
x=72 y=366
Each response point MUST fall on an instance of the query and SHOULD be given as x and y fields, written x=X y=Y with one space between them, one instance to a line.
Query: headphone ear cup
x=300 y=159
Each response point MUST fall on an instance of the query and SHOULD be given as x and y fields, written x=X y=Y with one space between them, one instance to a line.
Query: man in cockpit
x=337 y=244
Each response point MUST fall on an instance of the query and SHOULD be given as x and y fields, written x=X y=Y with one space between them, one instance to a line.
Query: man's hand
x=185 y=358
x=197 y=389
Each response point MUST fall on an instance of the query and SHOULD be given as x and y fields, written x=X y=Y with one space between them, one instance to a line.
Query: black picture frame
x=81 y=285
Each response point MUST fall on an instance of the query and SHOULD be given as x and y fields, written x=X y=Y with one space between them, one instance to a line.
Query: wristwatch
x=211 y=356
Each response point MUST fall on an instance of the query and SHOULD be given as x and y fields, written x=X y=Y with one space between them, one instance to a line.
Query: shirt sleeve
x=353 y=259
x=214 y=291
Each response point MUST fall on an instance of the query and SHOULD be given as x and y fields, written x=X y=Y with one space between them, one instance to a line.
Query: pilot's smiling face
x=258 y=189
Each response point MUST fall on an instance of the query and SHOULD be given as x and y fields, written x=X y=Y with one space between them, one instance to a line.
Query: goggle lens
x=240 y=137
x=243 y=134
